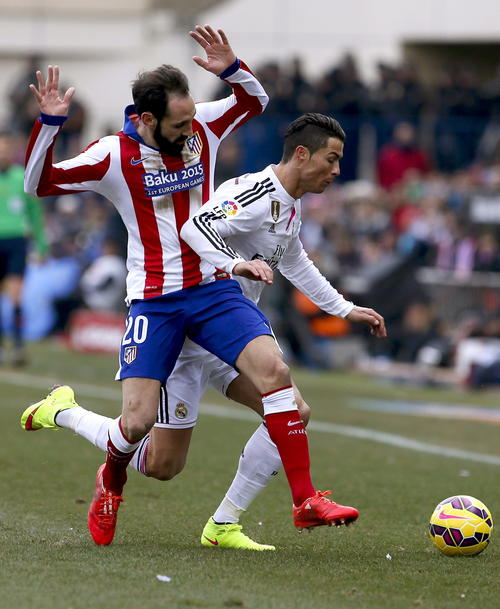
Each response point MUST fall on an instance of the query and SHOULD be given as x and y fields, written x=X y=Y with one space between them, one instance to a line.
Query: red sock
x=288 y=433
x=119 y=455
x=114 y=475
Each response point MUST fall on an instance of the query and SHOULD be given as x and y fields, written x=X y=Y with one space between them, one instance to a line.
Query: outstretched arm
x=299 y=269
x=41 y=177
x=248 y=98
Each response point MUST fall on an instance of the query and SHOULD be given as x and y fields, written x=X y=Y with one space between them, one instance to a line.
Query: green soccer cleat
x=42 y=414
x=229 y=536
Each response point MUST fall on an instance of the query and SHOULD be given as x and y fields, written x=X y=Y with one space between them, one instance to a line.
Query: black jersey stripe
x=258 y=196
x=248 y=193
x=202 y=223
x=162 y=416
x=256 y=188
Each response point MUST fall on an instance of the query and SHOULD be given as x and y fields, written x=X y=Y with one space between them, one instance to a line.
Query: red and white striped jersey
x=154 y=193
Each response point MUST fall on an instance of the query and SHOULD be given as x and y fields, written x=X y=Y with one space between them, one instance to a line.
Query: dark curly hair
x=151 y=90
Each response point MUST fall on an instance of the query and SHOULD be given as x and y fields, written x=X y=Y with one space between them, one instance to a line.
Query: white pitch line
x=234 y=412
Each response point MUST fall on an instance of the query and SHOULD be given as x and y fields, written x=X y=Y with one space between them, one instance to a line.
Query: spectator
x=401 y=156
x=20 y=217
x=103 y=283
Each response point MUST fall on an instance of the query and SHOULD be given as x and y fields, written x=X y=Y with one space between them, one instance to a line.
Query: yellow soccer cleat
x=229 y=536
x=42 y=414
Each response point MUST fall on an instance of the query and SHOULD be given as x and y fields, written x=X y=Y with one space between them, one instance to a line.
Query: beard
x=173 y=148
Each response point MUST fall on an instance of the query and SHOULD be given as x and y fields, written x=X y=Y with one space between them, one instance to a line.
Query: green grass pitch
x=48 y=560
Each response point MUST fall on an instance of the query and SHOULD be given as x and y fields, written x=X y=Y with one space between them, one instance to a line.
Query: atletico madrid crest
x=194 y=144
x=129 y=354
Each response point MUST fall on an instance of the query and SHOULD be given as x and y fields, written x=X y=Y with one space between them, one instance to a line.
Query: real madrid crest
x=181 y=411
x=275 y=210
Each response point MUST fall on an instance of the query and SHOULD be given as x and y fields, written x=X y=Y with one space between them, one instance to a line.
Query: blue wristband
x=234 y=67
x=48 y=119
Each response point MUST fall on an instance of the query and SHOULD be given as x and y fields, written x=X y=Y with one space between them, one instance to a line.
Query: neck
x=146 y=135
x=289 y=178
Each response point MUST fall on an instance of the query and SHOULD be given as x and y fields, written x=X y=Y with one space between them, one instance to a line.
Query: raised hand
x=47 y=94
x=220 y=55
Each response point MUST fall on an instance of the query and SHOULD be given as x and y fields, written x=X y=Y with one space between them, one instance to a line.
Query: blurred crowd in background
x=411 y=228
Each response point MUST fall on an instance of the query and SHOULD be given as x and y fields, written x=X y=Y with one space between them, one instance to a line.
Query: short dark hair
x=151 y=90
x=312 y=131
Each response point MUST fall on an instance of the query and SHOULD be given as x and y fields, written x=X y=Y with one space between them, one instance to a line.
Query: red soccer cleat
x=103 y=512
x=318 y=510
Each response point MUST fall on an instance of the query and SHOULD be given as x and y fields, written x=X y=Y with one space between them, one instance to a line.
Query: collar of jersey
x=129 y=129
x=280 y=189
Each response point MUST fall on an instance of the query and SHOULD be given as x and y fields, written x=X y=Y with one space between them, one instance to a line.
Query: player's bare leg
x=259 y=462
x=261 y=360
x=140 y=401
x=167 y=452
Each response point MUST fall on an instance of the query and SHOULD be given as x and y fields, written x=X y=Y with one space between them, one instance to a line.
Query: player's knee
x=277 y=373
x=304 y=409
x=135 y=427
x=165 y=470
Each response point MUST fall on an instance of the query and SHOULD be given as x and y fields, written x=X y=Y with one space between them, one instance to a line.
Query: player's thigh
x=153 y=339
x=167 y=451
x=225 y=321
x=181 y=394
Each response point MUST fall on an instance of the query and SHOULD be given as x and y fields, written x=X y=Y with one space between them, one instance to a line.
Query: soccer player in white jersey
x=260 y=458
x=154 y=172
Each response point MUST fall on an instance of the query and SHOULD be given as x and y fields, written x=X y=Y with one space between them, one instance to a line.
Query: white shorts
x=195 y=370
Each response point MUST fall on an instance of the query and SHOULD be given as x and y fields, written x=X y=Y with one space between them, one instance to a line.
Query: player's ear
x=302 y=154
x=148 y=119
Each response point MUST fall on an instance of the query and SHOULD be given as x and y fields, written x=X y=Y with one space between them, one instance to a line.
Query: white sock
x=95 y=428
x=119 y=440
x=259 y=461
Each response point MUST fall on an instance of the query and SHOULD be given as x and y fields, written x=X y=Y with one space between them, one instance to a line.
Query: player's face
x=174 y=129
x=322 y=167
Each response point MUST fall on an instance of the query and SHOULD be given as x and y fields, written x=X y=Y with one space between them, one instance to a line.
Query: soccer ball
x=461 y=525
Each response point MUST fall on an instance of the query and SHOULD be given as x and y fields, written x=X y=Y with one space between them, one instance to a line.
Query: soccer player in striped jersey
x=157 y=171
x=270 y=229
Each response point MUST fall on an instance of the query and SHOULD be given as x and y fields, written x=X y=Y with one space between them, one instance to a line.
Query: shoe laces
x=108 y=507
x=321 y=495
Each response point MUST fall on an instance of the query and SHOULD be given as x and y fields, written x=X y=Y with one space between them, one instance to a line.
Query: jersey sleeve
x=224 y=215
x=247 y=100
x=300 y=270
x=83 y=172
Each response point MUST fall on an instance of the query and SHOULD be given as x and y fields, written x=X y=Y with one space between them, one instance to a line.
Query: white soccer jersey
x=154 y=193
x=251 y=217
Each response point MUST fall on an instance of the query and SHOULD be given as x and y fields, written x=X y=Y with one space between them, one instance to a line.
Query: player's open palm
x=47 y=93
x=219 y=53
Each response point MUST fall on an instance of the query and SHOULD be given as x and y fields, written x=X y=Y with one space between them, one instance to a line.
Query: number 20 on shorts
x=137 y=330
